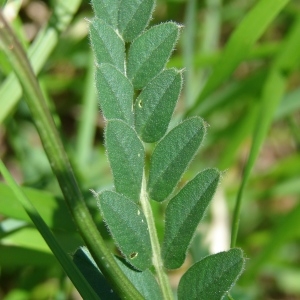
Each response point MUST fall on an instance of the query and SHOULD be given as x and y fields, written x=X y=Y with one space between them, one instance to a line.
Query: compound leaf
x=149 y=53
x=155 y=105
x=129 y=228
x=172 y=156
x=134 y=16
x=107 y=11
x=107 y=45
x=212 y=277
x=126 y=156
x=183 y=214
x=115 y=93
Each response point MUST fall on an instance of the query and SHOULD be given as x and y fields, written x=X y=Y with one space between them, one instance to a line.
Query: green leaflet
x=212 y=277
x=155 y=105
x=107 y=11
x=172 y=156
x=126 y=156
x=107 y=45
x=183 y=214
x=128 y=227
x=134 y=16
x=115 y=93
x=149 y=53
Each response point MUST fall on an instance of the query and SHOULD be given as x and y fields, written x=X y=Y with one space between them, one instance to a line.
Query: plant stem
x=61 y=166
x=157 y=262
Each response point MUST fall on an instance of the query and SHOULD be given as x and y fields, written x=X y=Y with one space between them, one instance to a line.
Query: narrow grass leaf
x=126 y=156
x=150 y=52
x=87 y=266
x=115 y=93
x=172 y=156
x=144 y=282
x=107 y=11
x=107 y=44
x=272 y=93
x=155 y=105
x=240 y=43
x=39 y=52
x=183 y=214
x=73 y=273
x=212 y=277
x=134 y=16
x=53 y=209
x=128 y=227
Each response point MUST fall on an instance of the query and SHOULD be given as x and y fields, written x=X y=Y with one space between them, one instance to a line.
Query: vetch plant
x=137 y=97
x=147 y=152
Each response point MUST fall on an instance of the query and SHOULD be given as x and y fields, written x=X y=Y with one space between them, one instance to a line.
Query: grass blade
x=240 y=44
x=76 y=277
x=273 y=91
x=38 y=52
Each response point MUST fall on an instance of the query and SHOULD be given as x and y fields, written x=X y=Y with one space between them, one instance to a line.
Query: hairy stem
x=157 y=262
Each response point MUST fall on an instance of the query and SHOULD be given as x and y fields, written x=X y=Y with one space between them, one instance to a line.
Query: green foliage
x=183 y=214
x=172 y=156
x=145 y=282
x=129 y=219
x=107 y=44
x=155 y=105
x=126 y=156
x=107 y=11
x=212 y=276
x=128 y=227
x=134 y=16
x=149 y=53
x=241 y=63
x=115 y=93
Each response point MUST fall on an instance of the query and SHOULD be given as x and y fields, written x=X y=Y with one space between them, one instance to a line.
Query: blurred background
x=55 y=33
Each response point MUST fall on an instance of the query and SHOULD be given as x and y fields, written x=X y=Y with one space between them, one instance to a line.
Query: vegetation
x=241 y=76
